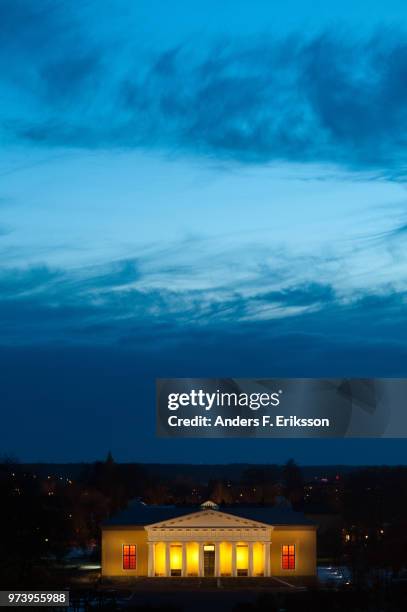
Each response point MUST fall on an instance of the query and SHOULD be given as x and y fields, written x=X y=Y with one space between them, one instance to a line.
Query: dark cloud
x=119 y=305
x=46 y=308
x=326 y=98
x=18 y=282
x=68 y=79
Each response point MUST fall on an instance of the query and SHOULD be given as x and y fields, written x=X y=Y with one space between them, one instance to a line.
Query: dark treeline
x=200 y=472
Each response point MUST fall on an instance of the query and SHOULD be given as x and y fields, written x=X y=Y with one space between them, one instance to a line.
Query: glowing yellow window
x=225 y=559
x=258 y=559
x=175 y=559
x=192 y=558
x=242 y=559
x=159 y=559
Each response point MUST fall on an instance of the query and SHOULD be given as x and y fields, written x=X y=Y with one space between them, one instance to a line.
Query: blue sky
x=217 y=191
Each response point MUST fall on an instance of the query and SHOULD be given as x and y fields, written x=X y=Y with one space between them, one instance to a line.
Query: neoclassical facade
x=164 y=541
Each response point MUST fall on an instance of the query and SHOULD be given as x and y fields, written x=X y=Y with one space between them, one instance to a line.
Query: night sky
x=207 y=190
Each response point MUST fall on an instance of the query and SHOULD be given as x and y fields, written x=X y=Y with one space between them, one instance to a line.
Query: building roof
x=138 y=513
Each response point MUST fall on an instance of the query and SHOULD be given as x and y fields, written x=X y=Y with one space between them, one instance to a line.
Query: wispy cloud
x=325 y=98
x=158 y=295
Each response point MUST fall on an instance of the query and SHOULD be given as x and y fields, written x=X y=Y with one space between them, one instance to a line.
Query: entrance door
x=209 y=560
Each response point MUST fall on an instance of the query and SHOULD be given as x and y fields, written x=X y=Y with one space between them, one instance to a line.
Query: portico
x=209 y=543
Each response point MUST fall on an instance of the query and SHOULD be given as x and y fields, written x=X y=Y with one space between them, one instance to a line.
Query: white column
x=151 y=551
x=267 y=558
x=167 y=559
x=234 y=570
x=217 y=558
x=250 y=551
x=184 y=559
x=201 y=559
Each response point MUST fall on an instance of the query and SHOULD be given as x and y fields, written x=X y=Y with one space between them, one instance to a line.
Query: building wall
x=112 y=551
x=305 y=551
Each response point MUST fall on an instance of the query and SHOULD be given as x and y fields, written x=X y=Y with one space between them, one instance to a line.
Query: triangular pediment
x=210 y=519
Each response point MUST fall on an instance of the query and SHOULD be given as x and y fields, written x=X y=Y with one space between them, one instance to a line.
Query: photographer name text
x=264 y=421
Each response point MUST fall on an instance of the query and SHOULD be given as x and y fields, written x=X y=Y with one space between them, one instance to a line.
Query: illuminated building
x=238 y=541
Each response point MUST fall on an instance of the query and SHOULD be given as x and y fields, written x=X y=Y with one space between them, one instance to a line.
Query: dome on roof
x=209 y=505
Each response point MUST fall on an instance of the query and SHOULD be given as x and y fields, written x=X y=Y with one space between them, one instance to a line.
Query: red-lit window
x=288 y=557
x=129 y=556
